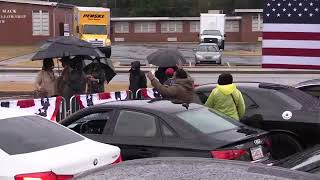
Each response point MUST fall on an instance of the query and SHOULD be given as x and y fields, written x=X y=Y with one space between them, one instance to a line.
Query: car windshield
x=33 y=133
x=207 y=120
x=95 y=29
x=211 y=32
x=207 y=48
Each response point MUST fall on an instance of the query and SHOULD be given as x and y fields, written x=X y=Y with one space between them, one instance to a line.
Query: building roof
x=95 y=9
x=248 y=10
x=37 y=2
x=166 y=18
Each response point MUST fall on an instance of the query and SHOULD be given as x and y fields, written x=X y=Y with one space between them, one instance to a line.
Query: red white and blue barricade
x=78 y=102
x=148 y=93
x=50 y=108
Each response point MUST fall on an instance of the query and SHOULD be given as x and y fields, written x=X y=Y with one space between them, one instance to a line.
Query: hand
x=150 y=76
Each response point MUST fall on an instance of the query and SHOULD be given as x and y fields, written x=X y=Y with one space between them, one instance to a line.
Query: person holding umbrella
x=96 y=77
x=45 y=84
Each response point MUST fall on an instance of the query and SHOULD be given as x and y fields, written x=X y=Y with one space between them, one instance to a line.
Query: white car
x=34 y=148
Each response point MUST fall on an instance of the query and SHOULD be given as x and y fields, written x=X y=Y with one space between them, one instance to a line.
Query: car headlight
x=199 y=56
x=216 y=56
x=107 y=42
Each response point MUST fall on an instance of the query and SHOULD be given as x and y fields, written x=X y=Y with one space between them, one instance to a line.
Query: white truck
x=212 y=29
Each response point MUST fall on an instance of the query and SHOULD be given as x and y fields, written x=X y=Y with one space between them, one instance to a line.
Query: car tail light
x=42 y=176
x=118 y=160
x=228 y=154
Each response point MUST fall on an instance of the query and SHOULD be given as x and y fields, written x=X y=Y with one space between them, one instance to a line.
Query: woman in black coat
x=137 y=78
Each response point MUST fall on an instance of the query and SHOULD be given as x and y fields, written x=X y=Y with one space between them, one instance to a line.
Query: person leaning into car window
x=226 y=98
x=179 y=92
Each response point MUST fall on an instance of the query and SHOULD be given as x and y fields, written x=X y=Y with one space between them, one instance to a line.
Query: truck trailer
x=92 y=24
x=212 y=29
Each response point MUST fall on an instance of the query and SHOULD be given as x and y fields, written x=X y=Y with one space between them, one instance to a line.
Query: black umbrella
x=166 y=58
x=66 y=46
x=106 y=65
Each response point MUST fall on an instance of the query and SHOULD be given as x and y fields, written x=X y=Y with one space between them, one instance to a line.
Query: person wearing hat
x=226 y=98
x=169 y=73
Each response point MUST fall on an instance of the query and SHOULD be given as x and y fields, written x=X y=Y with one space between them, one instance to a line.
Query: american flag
x=291 y=34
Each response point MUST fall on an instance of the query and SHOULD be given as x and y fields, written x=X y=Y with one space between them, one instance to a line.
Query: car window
x=166 y=131
x=312 y=90
x=207 y=48
x=92 y=123
x=248 y=101
x=33 y=133
x=207 y=120
x=136 y=124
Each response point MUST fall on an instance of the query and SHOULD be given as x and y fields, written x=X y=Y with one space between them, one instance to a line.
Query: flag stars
x=310 y=14
x=300 y=4
x=273 y=9
x=311 y=4
x=278 y=15
x=284 y=9
x=317 y=9
x=289 y=15
x=306 y=9
x=289 y=4
x=294 y=9
x=268 y=15
x=279 y=4
x=299 y=14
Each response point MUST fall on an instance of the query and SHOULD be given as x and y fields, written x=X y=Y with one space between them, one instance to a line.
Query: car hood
x=69 y=159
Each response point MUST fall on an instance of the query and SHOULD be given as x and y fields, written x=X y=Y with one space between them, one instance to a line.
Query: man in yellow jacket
x=226 y=98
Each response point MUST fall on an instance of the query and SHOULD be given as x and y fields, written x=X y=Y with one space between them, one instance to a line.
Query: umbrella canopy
x=66 y=46
x=106 y=65
x=166 y=58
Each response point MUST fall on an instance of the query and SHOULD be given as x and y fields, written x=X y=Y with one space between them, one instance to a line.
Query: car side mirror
x=225 y=35
x=78 y=29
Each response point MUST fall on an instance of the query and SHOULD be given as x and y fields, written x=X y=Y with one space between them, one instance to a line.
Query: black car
x=292 y=116
x=192 y=168
x=311 y=87
x=144 y=129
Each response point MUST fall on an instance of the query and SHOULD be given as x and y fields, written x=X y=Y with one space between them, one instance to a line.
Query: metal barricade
x=147 y=93
x=78 y=102
x=38 y=106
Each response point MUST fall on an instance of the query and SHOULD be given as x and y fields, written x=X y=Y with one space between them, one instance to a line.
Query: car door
x=93 y=124
x=136 y=133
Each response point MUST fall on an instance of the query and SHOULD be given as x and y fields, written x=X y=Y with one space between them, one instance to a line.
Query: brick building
x=30 y=22
x=246 y=26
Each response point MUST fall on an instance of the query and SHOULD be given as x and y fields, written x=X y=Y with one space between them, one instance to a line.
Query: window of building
x=257 y=23
x=232 y=26
x=171 y=27
x=194 y=26
x=121 y=27
x=40 y=23
x=145 y=27
x=135 y=124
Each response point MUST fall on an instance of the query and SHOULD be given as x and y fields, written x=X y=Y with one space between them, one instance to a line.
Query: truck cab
x=212 y=36
x=93 y=25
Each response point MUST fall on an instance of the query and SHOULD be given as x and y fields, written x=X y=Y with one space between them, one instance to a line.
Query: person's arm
x=241 y=107
x=143 y=81
x=39 y=80
x=165 y=91
x=210 y=101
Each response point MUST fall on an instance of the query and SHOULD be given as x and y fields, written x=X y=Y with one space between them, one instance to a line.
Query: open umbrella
x=66 y=46
x=166 y=58
x=106 y=65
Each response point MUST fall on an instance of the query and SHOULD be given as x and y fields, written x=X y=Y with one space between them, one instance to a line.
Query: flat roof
x=248 y=10
x=42 y=3
x=95 y=9
x=166 y=18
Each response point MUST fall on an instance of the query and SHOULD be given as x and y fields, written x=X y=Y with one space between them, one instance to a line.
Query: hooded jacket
x=180 y=92
x=228 y=100
x=137 y=77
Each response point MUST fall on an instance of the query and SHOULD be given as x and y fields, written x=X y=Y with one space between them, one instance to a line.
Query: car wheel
x=284 y=145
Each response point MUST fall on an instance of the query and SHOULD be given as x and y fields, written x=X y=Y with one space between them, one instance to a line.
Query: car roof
x=164 y=106
x=192 y=168
x=6 y=113
x=308 y=83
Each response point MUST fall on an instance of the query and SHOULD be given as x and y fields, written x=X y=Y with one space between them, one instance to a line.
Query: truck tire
x=284 y=145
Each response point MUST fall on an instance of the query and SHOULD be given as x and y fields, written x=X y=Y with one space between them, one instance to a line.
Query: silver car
x=208 y=53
